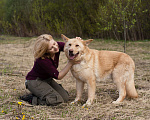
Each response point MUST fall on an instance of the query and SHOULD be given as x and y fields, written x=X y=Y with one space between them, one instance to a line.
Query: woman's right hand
x=65 y=70
x=72 y=62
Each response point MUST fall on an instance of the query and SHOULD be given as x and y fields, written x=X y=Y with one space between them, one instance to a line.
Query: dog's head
x=75 y=48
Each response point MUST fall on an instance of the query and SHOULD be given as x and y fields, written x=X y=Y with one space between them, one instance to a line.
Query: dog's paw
x=86 y=105
x=116 y=102
x=75 y=101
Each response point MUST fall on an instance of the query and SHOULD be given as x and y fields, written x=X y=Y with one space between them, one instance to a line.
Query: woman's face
x=53 y=47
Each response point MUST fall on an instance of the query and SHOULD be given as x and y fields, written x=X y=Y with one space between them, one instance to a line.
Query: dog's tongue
x=72 y=57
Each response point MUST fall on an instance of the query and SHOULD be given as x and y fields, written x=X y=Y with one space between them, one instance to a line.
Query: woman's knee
x=65 y=96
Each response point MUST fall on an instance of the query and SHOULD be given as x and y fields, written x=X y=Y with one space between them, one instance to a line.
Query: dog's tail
x=130 y=87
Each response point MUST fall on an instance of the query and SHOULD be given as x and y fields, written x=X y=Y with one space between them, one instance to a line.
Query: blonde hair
x=41 y=46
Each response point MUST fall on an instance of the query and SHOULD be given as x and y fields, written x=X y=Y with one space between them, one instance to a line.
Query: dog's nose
x=71 y=50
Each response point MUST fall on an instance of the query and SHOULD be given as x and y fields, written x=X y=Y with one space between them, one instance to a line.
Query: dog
x=97 y=65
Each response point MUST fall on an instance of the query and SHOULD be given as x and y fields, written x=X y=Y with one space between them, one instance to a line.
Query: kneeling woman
x=39 y=81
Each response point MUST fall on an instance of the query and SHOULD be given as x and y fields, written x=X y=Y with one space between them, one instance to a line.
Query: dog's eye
x=69 y=44
x=77 y=45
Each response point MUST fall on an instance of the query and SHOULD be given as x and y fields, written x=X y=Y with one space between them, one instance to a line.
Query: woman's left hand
x=78 y=38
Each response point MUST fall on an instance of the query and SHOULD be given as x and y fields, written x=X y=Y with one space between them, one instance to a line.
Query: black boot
x=28 y=98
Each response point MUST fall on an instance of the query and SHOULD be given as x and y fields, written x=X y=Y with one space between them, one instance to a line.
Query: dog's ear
x=64 y=38
x=87 y=42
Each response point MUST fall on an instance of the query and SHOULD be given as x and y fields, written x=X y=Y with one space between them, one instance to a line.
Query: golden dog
x=97 y=65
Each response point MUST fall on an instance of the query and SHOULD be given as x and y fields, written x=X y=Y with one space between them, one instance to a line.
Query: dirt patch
x=17 y=59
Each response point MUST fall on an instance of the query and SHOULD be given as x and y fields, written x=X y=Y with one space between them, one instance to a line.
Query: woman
x=39 y=81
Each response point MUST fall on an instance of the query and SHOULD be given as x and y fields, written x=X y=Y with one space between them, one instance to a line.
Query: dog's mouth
x=72 y=56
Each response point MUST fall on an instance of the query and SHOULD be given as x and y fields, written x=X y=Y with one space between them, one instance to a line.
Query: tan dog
x=96 y=65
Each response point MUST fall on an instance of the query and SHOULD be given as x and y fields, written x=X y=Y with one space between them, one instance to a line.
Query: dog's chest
x=81 y=71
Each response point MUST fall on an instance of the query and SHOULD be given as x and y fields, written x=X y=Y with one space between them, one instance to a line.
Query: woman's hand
x=72 y=62
x=65 y=70
x=78 y=38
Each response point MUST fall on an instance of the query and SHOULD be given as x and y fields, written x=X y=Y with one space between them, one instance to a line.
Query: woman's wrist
x=70 y=63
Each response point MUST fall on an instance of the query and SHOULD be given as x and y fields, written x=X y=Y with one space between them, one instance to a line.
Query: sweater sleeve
x=61 y=46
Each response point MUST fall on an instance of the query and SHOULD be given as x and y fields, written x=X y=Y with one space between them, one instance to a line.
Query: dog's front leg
x=91 y=92
x=79 y=88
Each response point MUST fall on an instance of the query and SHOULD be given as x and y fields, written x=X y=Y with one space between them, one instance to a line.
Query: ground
x=16 y=60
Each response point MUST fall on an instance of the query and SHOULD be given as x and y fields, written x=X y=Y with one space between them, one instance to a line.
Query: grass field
x=16 y=60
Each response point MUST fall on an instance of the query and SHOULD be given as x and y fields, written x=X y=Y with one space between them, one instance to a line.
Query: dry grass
x=16 y=60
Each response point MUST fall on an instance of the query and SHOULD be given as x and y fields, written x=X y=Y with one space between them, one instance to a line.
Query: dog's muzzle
x=72 y=55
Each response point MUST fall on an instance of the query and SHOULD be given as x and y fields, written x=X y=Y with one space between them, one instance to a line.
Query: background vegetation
x=115 y=19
